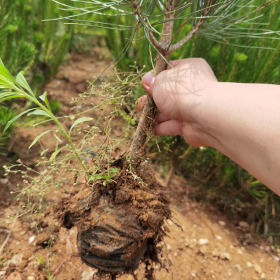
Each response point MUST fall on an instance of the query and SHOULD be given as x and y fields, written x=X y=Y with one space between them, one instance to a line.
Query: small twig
x=59 y=266
x=276 y=273
x=8 y=236
x=155 y=42
x=100 y=147
x=188 y=37
x=139 y=31
x=12 y=143
x=182 y=27
x=175 y=223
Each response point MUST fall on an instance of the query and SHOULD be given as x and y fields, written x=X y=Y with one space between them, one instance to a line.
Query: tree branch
x=154 y=41
x=188 y=37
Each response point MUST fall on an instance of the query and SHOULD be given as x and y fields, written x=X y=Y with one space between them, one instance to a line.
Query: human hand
x=179 y=94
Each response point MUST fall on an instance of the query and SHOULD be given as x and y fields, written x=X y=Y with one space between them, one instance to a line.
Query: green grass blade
x=80 y=120
x=15 y=118
x=5 y=73
x=54 y=154
x=39 y=136
x=44 y=98
x=20 y=79
x=11 y=96
x=39 y=112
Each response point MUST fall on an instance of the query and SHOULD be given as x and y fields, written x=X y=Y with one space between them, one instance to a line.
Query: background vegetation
x=39 y=47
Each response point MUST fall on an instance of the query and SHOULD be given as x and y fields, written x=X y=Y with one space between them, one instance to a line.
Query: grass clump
x=6 y=115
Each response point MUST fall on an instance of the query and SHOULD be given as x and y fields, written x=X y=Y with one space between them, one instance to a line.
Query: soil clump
x=119 y=222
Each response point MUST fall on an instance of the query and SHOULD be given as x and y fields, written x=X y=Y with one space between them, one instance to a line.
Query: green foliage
x=6 y=115
x=44 y=265
x=106 y=177
x=55 y=106
x=129 y=23
x=18 y=87
x=30 y=44
x=64 y=158
x=244 y=47
x=27 y=40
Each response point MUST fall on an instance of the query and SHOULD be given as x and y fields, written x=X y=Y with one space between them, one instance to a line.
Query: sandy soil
x=201 y=244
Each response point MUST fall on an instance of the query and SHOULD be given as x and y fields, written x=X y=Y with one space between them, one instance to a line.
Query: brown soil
x=120 y=222
x=201 y=243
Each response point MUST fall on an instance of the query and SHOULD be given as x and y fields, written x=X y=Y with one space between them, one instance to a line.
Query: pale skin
x=242 y=121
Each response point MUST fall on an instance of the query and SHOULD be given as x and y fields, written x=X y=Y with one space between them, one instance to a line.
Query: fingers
x=168 y=128
x=175 y=63
x=141 y=102
x=147 y=81
x=140 y=105
x=164 y=126
x=149 y=78
x=162 y=118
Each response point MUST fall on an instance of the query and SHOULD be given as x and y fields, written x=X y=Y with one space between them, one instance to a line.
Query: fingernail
x=148 y=79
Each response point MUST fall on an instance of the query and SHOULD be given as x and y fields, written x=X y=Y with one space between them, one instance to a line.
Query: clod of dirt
x=119 y=222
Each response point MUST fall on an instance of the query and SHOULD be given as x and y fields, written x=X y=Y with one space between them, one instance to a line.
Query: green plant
x=19 y=87
x=27 y=41
x=59 y=165
x=6 y=115
x=106 y=177
x=55 y=106
x=44 y=265
x=3 y=262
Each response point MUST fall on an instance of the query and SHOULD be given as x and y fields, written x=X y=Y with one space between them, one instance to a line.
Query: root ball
x=120 y=222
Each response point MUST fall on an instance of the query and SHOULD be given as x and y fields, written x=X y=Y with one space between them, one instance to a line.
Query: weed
x=6 y=115
x=55 y=106
x=45 y=265
x=106 y=177
x=98 y=141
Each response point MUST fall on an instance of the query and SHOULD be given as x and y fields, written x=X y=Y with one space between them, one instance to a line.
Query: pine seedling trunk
x=148 y=115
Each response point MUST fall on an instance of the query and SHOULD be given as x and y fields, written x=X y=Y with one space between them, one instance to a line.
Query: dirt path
x=204 y=244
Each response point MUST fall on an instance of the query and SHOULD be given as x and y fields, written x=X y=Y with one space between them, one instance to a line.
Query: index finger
x=174 y=63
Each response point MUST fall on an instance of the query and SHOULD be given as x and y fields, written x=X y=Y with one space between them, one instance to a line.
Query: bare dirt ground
x=201 y=244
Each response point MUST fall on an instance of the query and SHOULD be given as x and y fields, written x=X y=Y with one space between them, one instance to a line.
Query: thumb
x=147 y=81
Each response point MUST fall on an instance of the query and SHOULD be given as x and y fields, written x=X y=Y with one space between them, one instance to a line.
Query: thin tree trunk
x=148 y=115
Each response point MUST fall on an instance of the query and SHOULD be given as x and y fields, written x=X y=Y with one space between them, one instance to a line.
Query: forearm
x=244 y=123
